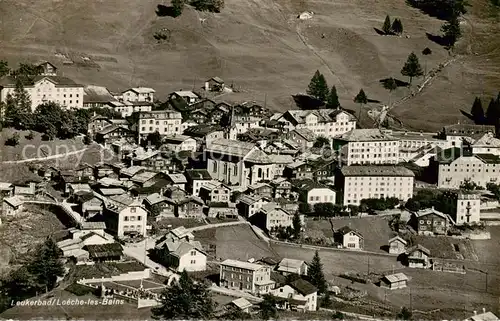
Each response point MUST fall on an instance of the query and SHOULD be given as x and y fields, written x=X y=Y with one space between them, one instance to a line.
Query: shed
x=105 y=252
x=394 y=281
x=397 y=245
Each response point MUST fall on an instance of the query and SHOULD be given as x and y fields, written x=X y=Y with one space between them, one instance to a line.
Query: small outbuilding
x=397 y=245
x=394 y=281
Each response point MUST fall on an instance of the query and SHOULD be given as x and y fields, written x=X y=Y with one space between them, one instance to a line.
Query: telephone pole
x=368 y=265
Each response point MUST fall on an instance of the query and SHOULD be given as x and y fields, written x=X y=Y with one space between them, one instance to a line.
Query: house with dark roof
x=322 y=122
x=222 y=210
x=105 y=252
x=303 y=137
x=298 y=295
x=458 y=133
x=96 y=96
x=215 y=192
x=430 y=221
x=214 y=84
x=124 y=216
x=349 y=238
x=159 y=206
x=195 y=179
x=112 y=133
x=417 y=256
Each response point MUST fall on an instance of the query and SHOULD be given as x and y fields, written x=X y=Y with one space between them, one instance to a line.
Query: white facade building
x=487 y=144
x=362 y=182
x=47 y=87
x=180 y=143
x=125 y=215
x=367 y=146
x=165 y=122
x=245 y=123
x=139 y=94
x=322 y=122
x=468 y=209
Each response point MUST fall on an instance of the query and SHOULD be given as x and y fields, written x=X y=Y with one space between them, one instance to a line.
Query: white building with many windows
x=455 y=167
x=139 y=94
x=367 y=146
x=47 y=87
x=362 y=182
x=165 y=122
x=125 y=216
x=322 y=122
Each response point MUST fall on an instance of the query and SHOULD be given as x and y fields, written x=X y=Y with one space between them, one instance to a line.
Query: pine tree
x=477 y=111
x=397 y=26
x=427 y=51
x=4 y=68
x=47 y=265
x=316 y=275
x=177 y=7
x=386 y=27
x=451 y=31
x=333 y=99
x=318 y=87
x=412 y=67
x=361 y=99
x=268 y=308
x=493 y=113
x=185 y=300
x=390 y=84
x=297 y=225
x=18 y=108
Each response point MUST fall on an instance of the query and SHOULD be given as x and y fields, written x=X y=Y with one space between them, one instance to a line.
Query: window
x=215 y=167
x=139 y=218
x=193 y=253
x=132 y=210
x=125 y=218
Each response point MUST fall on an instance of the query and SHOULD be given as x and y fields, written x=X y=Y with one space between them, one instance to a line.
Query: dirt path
x=302 y=38
x=44 y=158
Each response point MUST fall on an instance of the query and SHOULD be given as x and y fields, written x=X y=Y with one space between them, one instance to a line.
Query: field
x=23 y=233
x=36 y=147
x=259 y=46
x=375 y=230
x=234 y=242
x=126 y=311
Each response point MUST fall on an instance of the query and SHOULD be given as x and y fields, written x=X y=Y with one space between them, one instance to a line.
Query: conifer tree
x=397 y=26
x=177 y=7
x=318 y=87
x=297 y=225
x=333 y=99
x=451 y=31
x=47 y=265
x=427 y=51
x=386 y=27
x=477 y=111
x=361 y=99
x=185 y=300
x=390 y=84
x=412 y=67
x=316 y=274
x=493 y=112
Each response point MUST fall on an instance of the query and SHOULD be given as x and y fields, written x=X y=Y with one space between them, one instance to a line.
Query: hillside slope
x=259 y=45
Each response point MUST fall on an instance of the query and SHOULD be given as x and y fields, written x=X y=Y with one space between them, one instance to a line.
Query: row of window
x=467 y=170
x=318 y=198
x=355 y=196
x=132 y=218
x=165 y=129
x=374 y=155
x=422 y=222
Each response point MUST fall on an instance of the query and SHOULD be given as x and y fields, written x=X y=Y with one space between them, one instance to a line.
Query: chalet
x=146 y=179
x=249 y=205
x=214 y=84
x=397 y=245
x=159 y=206
x=261 y=188
x=179 y=143
x=85 y=171
x=27 y=192
x=417 y=256
x=222 y=210
x=311 y=192
x=272 y=217
x=241 y=304
x=128 y=172
x=12 y=206
x=298 y=170
x=298 y=295
x=104 y=170
x=112 y=133
x=190 y=206
x=291 y=266
x=124 y=216
x=150 y=159
x=188 y=96
x=430 y=221
x=205 y=133
x=200 y=116
x=184 y=256
x=215 y=192
x=303 y=137
x=280 y=161
x=394 y=281
x=177 y=180
x=139 y=94
x=96 y=96
x=195 y=179
x=74 y=188
x=349 y=238
x=6 y=190
x=176 y=235
x=98 y=123
x=281 y=187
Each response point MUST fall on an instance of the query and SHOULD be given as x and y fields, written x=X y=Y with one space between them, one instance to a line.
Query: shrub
x=30 y=135
x=13 y=140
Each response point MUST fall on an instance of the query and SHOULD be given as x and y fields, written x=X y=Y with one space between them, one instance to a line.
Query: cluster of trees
x=318 y=88
x=442 y=9
x=494 y=189
x=492 y=114
x=378 y=204
x=394 y=28
x=202 y=5
x=37 y=276
x=332 y=210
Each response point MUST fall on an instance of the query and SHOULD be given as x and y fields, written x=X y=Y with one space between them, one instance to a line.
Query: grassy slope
x=253 y=43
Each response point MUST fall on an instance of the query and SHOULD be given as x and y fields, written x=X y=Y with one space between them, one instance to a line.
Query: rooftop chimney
x=484 y=310
x=475 y=312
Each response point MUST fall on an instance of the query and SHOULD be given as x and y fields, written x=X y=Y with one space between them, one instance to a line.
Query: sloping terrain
x=259 y=45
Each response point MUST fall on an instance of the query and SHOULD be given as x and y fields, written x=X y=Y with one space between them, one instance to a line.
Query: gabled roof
x=290 y=265
x=14 y=201
x=111 y=128
x=177 y=178
x=418 y=247
x=177 y=139
x=242 y=303
x=217 y=80
x=230 y=147
x=346 y=229
x=141 y=90
x=181 y=248
x=242 y=265
x=398 y=238
x=155 y=198
x=305 y=133
x=398 y=277
x=93 y=93
x=449 y=155
x=93 y=225
x=143 y=177
x=131 y=171
x=428 y=211
x=105 y=250
x=186 y=93
x=198 y=174
x=488 y=158
x=303 y=287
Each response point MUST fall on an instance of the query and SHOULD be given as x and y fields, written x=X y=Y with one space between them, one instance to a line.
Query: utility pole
x=368 y=265
x=411 y=303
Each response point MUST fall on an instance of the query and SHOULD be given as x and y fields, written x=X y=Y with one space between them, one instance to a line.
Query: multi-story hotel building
x=322 y=122
x=245 y=276
x=46 y=87
x=363 y=182
x=165 y=122
x=367 y=146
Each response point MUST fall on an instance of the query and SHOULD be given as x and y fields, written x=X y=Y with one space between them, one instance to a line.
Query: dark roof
x=467 y=129
x=201 y=130
x=447 y=156
x=105 y=250
x=303 y=287
x=96 y=94
x=200 y=174
x=219 y=204
x=270 y=260
x=346 y=229
x=489 y=158
x=418 y=247
x=85 y=196
x=376 y=170
x=278 y=278
x=58 y=80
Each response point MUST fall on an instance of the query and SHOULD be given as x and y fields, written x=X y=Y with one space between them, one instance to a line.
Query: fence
x=130 y=276
x=448 y=267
